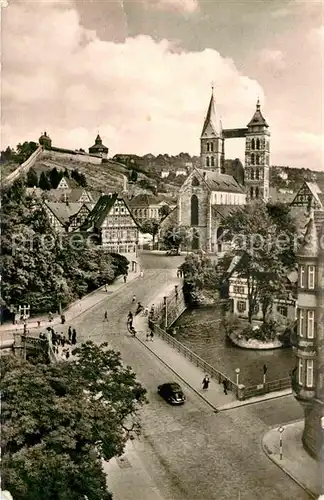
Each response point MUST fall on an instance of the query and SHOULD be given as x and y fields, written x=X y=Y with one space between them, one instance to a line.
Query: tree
x=54 y=177
x=164 y=211
x=32 y=178
x=80 y=412
x=7 y=155
x=261 y=253
x=25 y=150
x=79 y=178
x=44 y=182
x=133 y=176
x=151 y=226
x=176 y=236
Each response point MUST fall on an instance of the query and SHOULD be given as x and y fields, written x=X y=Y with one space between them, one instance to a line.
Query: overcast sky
x=140 y=72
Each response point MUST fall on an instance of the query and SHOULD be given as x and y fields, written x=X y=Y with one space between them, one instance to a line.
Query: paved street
x=189 y=452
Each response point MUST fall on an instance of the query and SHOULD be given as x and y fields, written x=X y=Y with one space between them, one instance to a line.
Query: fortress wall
x=84 y=158
x=24 y=167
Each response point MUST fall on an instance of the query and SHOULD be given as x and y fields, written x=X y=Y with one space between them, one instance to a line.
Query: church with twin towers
x=211 y=191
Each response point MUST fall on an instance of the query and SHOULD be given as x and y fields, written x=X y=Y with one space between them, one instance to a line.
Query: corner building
x=308 y=376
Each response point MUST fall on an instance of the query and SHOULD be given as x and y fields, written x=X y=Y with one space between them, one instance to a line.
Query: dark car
x=172 y=251
x=172 y=393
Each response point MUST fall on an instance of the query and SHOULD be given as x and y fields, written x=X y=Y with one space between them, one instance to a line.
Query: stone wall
x=171 y=308
x=24 y=167
x=83 y=158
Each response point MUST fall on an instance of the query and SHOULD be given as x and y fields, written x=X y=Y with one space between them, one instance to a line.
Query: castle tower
x=45 y=141
x=257 y=157
x=308 y=377
x=212 y=140
x=98 y=148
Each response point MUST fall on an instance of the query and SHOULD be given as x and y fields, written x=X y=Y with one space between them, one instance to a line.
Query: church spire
x=212 y=123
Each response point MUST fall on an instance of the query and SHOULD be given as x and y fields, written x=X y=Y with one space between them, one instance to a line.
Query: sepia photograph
x=162 y=250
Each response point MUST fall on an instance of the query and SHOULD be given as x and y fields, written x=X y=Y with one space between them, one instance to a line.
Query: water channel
x=200 y=331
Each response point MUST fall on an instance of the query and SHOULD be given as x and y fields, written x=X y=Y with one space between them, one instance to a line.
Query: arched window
x=194 y=210
x=251 y=193
x=211 y=146
x=212 y=161
x=252 y=159
x=257 y=160
x=252 y=174
x=258 y=143
x=207 y=147
x=257 y=192
x=195 y=182
x=207 y=161
x=257 y=174
x=253 y=144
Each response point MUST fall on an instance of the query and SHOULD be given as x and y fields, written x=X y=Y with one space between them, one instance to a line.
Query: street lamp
x=281 y=429
x=237 y=371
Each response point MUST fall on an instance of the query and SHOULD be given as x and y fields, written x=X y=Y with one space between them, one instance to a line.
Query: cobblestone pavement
x=188 y=452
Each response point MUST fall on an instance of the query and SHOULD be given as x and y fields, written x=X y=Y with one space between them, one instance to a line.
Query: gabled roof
x=100 y=211
x=63 y=211
x=313 y=239
x=219 y=182
x=70 y=182
x=316 y=190
x=257 y=118
x=212 y=120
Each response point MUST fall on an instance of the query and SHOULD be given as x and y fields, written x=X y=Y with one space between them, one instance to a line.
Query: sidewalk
x=296 y=462
x=74 y=310
x=177 y=363
x=126 y=474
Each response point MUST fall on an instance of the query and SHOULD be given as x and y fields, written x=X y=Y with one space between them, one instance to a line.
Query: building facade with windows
x=308 y=376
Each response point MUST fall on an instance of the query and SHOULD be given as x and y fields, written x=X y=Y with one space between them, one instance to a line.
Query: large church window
x=253 y=144
x=212 y=161
x=195 y=182
x=252 y=174
x=207 y=161
x=194 y=210
x=258 y=143
x=257 y=174
x=252 y=159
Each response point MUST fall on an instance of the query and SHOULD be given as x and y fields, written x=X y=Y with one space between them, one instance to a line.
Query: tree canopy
x=60 y=420
x=176 y=236
x=262 y=241
x=151 y=226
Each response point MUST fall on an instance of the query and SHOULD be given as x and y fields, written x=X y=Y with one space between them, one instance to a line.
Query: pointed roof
x=212 y=119
x=309 y=247
x=98 y=139
x=257 y=118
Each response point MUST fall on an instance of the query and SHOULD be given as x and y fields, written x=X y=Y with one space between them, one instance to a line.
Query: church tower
x=212 y=140
x=257 y=157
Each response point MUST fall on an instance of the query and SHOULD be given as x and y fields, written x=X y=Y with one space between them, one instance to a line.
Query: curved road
x=189 y=452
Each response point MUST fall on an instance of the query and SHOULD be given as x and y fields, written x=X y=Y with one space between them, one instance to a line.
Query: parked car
x=172 y=393
x=173 y=251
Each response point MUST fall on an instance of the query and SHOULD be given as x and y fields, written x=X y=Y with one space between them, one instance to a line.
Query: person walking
x=70 y=333
x=106 y=316
x=205 y=382
x=225 y=386
x=146 y=311
x=62 y=319
x=125 y=278
x=151 y=335
x=73 y=336
x=134 y=299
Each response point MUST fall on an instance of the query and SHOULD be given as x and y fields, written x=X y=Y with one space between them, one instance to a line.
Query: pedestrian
x=152 y=310
x=178 y=273
x=38 y=324
x=205 y=382
x=73 y=336
x=106 y=289
x=225 y=386
x=62 y=339
x=125 y=278
x=62 y=319
x=50 y=316
x=134 y=299
x=141 y=274
x=151 y=335
x=139 y=308
x=106 y=316
x=146 y=311
x=147 y=336
x=70 y=333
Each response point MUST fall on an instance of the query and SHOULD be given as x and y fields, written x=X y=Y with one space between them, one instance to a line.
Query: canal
x=200 y=331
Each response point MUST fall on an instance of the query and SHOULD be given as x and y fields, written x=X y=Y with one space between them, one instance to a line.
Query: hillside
x=285 y=177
